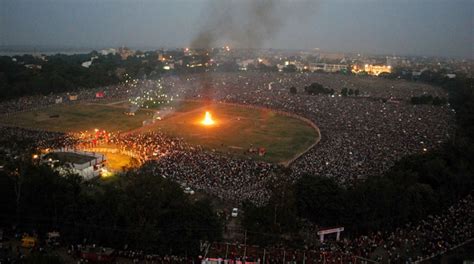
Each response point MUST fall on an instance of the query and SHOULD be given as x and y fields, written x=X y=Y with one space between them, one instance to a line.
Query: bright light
x=105 y=173
x=207 y=121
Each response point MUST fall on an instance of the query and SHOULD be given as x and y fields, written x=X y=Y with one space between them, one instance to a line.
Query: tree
x=42 y=258
x=293 y=90
x=319 y=199
x=316 y=88
x=344 y=91
x=439 y=101
x=290 y=68
x=267 y=224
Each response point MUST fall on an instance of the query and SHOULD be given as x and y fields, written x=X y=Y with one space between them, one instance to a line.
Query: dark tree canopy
x=138 y=209
x=316 y=88
x=293 y=90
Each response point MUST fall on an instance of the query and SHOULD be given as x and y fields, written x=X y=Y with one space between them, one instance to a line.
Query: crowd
x=413 y=242
x=86 y=253
x=360 y=136
x=16 y=141
x=219 y=175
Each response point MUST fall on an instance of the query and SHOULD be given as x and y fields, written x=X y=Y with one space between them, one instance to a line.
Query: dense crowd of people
x=16 y=141
x=413 y=242
x=361 y=136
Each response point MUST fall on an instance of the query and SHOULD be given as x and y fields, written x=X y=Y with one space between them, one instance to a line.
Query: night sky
x=408 y=27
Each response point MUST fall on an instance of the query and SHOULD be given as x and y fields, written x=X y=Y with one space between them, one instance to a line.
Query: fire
x=207 y=121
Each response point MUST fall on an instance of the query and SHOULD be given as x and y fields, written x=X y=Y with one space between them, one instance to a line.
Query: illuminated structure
x=326 y=67
x=86 y=164
x=372 y=69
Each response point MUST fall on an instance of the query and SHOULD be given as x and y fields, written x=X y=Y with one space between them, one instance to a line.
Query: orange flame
x=207 y=121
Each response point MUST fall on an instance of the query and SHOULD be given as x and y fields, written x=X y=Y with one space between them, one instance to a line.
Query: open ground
x=237 y=128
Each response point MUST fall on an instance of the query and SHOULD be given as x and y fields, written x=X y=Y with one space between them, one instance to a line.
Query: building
x=86 y=164
x=372 y=69
x=106 y=52
x=326 y=67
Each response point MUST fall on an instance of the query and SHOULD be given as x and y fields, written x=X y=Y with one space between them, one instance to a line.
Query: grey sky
x=415 y=27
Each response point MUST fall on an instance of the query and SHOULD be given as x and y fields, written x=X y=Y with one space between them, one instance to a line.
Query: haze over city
x=427 y=27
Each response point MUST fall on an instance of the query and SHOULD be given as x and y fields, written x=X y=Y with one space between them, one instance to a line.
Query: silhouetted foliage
x=140 y=209
x=428 y=99
x=316 y=88
x=28 y=75
x=293 y=90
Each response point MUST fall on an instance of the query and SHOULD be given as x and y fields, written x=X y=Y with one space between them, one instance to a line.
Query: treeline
x=28 y=75
x=316 y=88
x=428 y=99
x=141 y=210
x=350 y=92
x=438 y=77
x=413 y=188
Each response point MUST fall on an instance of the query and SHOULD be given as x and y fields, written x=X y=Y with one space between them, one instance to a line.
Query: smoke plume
x=249 y=23
x=246 y=24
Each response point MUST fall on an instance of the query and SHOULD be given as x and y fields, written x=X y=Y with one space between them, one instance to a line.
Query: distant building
x=87 y=64
x=372 y=69
x=106 y=52
x=450 y=75
x=243 y=64
x=33 y=66
x=326 y=67
x=417 y=74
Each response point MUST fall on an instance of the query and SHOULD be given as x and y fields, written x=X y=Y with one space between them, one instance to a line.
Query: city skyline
x=429 y=28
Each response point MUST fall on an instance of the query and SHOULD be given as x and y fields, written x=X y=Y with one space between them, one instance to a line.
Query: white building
x=326 y=67
x=106 y=52
x=86 y=164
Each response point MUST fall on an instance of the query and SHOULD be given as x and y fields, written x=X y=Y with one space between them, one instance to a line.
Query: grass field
x=73 y=118
x=236 y=129
x=239 y=128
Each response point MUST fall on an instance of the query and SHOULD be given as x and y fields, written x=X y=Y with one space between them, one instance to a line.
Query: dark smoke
x=249 y=23
x=245 y=24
